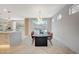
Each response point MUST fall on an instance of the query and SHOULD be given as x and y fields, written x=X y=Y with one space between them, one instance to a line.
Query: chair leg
x=32 y=41
x=50 y=42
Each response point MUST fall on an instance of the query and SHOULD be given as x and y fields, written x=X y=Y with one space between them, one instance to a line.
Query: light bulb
x=5 y=10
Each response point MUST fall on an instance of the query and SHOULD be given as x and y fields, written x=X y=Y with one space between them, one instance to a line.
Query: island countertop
x=9 y=37
x=7 y=31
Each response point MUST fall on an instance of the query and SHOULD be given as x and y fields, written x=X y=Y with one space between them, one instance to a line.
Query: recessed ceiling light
x=5 y=10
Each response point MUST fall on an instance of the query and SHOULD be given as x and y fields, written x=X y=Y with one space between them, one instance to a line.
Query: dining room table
x=41 y=39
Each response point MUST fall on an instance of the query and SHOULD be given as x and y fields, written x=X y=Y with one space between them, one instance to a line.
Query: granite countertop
x=7 y=31
x=40 y=35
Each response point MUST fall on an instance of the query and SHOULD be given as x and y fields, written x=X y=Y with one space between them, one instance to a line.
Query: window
x=18 y=25
x=74 y=9
x=14 y=26
x=40 y=21
x=40 y=25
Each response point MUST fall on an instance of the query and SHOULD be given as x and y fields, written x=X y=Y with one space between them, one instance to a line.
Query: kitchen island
x=9 y=38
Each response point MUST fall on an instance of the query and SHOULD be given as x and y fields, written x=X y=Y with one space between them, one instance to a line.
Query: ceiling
x=20 y=11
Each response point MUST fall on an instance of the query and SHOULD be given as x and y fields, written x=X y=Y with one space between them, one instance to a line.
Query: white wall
x=66 y=30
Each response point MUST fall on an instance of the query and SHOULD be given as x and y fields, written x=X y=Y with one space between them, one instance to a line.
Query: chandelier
x=40 y=19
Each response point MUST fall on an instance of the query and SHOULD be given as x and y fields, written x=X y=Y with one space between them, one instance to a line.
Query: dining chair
x=50 y=37
x=32 y=33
